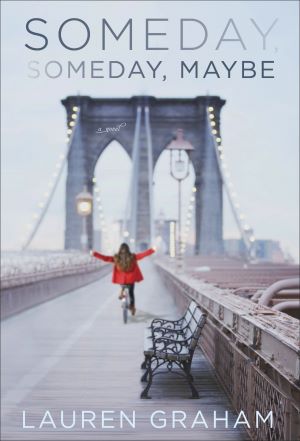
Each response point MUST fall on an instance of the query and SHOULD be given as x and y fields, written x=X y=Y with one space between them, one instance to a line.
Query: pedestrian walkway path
x=73 y=354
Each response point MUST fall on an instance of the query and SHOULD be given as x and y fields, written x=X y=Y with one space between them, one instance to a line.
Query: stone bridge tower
x=166 y=115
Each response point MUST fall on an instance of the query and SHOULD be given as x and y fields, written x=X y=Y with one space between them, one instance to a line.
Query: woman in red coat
x=126 y=270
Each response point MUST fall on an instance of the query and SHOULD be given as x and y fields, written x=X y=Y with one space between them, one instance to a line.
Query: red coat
x=128 y=277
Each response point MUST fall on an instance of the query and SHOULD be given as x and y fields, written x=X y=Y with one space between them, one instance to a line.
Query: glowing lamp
x=84 y=203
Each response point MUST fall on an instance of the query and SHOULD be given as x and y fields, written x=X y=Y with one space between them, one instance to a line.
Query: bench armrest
x=162 y=331
x=171 y=340
x=162 y=321
x=165 y=344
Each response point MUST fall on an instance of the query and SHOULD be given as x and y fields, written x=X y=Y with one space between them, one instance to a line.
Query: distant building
x=165 y=229
x=266 y=250
x=269 y=251
x=234 y=248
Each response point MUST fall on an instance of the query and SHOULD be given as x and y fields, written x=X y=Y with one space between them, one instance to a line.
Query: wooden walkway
x=74 y=353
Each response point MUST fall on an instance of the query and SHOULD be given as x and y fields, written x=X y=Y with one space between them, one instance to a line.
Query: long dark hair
x=124 y=258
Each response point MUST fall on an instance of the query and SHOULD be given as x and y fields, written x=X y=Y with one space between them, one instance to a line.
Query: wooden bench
x=163 y=325
x=176 y=324
x=172 y=343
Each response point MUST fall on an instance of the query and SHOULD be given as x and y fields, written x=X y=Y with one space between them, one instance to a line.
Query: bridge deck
x=74 y=353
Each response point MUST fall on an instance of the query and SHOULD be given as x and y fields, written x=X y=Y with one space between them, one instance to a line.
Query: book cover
x=150 y=212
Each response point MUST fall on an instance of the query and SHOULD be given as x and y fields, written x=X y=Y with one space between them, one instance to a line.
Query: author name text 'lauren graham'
x=158 y=419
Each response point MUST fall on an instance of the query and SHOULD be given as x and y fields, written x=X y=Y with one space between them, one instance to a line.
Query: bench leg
x=189 y=378
x=189 y=365
x=147 y=365
x=144 y=376
x=144 y=364
x=148 y=373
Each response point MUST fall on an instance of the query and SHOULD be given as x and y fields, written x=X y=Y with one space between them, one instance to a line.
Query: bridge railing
x=30 y=278
x=254 y=351
x=29 y=267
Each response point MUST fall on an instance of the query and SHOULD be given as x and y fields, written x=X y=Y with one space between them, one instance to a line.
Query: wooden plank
x=85 y=358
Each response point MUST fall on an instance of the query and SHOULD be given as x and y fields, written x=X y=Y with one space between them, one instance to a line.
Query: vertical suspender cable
x=135 y=158
x=131 y=205
x=150 y=170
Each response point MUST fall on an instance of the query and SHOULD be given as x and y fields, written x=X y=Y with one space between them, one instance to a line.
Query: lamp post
x=180 y=150
x=84 y=205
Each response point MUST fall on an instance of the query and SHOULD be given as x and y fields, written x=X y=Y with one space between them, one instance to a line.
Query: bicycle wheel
x=125 y=307
x=125 y=315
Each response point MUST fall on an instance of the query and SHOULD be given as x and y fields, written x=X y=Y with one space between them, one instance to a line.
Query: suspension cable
x=131 y=205
x=73 y=125
x=188 y=221
x=150 y=170
x=216 y=141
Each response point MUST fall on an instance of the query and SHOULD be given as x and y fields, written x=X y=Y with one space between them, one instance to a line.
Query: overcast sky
x=259 y=120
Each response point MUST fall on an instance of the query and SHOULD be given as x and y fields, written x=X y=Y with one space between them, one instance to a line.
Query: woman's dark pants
x=131 y=294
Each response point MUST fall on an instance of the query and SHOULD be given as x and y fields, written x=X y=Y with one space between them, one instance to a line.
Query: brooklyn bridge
x=65 y=348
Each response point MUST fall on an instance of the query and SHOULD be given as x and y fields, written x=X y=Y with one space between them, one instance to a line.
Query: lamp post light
x=180 y=151
x=84 y=205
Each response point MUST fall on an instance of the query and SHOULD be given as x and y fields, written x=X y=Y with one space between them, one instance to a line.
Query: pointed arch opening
x=165 y=201
x=112 y=173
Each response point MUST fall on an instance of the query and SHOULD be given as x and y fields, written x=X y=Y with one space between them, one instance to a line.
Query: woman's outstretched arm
x=146 y=253
x=101 y=256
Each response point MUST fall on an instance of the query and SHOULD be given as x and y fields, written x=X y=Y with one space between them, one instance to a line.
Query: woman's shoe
x=133 y=309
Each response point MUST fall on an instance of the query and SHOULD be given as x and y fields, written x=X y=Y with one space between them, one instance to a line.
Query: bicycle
x=125 y=303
